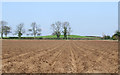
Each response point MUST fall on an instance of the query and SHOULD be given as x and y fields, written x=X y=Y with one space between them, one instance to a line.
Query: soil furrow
x=59 y=56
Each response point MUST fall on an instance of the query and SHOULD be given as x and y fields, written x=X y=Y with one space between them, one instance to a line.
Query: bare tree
x=66 y=29
x=2 y=24
x=36 y=31
x=6 y=30
x=69 y=31
x=20 y=30
x=57 y=29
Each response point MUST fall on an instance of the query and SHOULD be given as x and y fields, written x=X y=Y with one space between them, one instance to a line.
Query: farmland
x=61 y=37
x=59 y=56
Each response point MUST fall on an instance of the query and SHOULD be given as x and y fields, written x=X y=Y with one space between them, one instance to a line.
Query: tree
x=66 y=29
x=35 y=30
x=6 y=30
x=57 y=29
x=20 y=30
x=69 y=31
x=116 y=35
x=106 y=37
x=2 y=24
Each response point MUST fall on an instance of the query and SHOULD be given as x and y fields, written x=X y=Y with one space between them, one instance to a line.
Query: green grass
x=62 y=36
x=54 y=36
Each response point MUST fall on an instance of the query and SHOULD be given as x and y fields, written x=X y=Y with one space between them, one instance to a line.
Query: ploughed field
x=59 y=56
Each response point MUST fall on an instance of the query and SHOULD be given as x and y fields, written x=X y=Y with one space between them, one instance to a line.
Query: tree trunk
x=57 y=36
x=118 y=37
x=6 y=35
x=1 y=35
x=34 y=36
x=19 y=37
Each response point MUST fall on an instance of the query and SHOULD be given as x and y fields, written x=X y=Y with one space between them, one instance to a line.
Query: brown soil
x=59 y=56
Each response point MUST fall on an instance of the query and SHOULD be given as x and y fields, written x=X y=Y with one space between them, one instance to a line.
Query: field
x=70 y=36
x=54 y=36
x=59 y=56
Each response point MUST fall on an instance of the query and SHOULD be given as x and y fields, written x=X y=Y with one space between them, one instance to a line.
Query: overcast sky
x=85 y=18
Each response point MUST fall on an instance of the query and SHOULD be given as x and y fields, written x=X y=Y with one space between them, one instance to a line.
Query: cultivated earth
x=59 y=56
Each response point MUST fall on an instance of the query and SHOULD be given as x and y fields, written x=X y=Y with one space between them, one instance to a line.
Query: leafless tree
x=66 y=29
x=35 y=30
x=69 y=31
x=20 y=30
x=57 y=29
x=6 y=30
x=2 y=24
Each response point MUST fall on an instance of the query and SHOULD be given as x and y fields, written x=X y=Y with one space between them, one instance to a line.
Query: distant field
x=62 y=36
x=54 y=36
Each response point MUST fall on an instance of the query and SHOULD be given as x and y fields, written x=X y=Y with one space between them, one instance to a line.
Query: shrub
x=106 y=37
x=114 y=37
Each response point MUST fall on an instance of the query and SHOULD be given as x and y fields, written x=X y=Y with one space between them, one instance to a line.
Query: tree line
x=115 y=36
x=58 y=28
x=35 y=30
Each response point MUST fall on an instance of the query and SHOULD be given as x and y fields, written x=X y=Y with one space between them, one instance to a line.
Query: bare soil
x=59 y=56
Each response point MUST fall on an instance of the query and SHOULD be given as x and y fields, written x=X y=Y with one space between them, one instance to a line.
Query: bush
x=106 y=37
x=22 y=38
x=114 y=37
x=13 y=38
